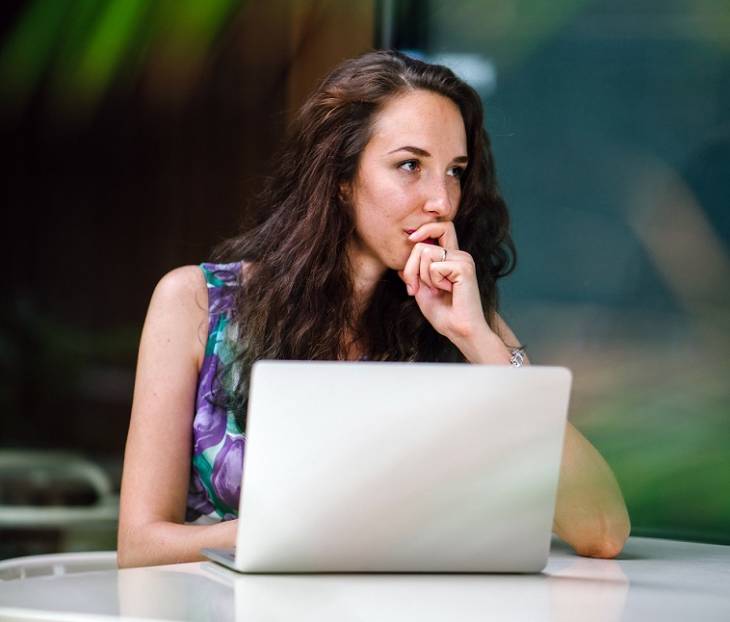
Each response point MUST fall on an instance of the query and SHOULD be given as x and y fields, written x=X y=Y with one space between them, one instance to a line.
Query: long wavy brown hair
x=296 y=301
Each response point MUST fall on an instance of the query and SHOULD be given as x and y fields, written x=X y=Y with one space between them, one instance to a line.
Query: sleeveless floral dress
x=218 y=442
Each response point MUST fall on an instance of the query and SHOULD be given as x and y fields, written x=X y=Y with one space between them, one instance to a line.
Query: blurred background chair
x=54 y=565
x=54 y=501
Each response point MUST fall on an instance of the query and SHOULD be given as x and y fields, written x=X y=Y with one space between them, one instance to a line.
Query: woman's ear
x=344 y=194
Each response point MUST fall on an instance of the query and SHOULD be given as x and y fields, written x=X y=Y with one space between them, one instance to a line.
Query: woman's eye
x=410 y=166
x=457 y=172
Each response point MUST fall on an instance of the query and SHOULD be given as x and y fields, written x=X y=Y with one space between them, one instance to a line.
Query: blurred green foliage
x=668 y=446
x=84 y=46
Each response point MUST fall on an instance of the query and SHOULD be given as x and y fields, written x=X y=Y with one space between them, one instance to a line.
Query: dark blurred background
x=136 y=132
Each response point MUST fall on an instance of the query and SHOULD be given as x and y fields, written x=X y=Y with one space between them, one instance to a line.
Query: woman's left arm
x=590 y=513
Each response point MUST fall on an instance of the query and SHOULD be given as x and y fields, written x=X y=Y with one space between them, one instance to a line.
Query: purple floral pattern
x=218 y=443
x=227 y=471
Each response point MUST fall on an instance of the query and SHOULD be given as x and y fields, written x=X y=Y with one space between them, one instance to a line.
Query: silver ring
x=443 y=257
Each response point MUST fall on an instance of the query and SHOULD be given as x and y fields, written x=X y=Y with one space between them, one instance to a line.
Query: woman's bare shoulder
x=181 y=299
x=180 y=283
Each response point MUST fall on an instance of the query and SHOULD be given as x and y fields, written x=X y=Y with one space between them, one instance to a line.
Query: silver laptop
x=399 y=467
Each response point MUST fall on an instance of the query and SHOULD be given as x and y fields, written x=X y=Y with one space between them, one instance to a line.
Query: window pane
x=610 y=123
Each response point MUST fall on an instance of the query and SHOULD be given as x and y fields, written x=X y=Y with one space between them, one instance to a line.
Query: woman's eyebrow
x=415 y=150
x=425 y=154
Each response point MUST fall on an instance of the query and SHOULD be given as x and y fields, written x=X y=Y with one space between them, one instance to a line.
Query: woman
x=382 y=235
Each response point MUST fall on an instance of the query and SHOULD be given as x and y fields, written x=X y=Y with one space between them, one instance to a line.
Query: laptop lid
x=400 y=467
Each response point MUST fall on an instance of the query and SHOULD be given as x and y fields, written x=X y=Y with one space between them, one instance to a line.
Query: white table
x=651 y=580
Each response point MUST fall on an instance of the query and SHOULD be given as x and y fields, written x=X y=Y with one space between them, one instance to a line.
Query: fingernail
x=409 y=289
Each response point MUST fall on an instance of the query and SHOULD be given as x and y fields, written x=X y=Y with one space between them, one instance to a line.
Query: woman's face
x=408 y=175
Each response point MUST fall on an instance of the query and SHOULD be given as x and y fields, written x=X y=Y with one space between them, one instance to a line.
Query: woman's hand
x=443 y=280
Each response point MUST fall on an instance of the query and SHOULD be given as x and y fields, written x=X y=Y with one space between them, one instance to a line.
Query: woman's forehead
x=422 y=119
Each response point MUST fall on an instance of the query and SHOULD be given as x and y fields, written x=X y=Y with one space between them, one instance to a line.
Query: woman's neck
x=366 y=272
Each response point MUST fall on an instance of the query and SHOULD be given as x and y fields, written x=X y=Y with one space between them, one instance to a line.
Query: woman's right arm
x=157 y=455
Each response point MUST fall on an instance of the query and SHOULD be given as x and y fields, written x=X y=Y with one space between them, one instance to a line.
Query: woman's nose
x=439 y=200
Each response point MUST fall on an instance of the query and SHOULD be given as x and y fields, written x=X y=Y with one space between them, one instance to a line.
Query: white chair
x=57 y=564
x=34 y=497
x=41 y=467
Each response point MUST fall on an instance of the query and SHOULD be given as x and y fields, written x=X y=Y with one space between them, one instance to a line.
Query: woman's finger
x=411 y=271
x=423 y=269
x=444 y=274
x=429 y=255
x=443 y=232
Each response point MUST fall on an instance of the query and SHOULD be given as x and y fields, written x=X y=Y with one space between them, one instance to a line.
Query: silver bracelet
x=517 y=357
